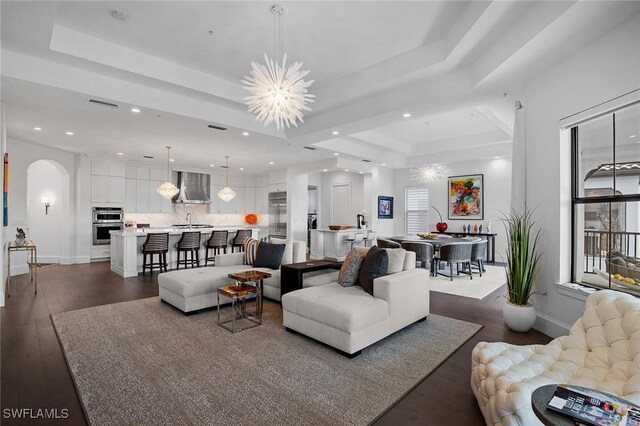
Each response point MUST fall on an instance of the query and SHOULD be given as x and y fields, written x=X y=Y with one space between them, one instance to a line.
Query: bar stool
x=189 y=242
x=238 y=240
x=370 y=238
x=358 y=238
x=155 y=244
x=216 y=242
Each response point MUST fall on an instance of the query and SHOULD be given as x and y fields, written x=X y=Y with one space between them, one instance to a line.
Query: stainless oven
x=106 y=219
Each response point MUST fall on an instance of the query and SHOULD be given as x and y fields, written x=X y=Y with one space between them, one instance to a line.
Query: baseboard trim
x=19 y=269
x=551 y=326
x=72 y=260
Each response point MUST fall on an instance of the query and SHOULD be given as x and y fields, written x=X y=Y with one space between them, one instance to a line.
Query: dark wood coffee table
x=291 y=275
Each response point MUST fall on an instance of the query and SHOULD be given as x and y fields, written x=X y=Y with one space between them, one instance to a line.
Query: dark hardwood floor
x=34 y=373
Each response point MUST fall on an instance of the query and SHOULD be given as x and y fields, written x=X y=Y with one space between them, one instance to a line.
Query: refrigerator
x=278 y=214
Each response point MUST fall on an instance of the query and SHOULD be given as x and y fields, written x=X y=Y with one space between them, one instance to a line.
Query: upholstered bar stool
x=238 y=240
x=189 y=243
x=155 y=244
x=216 y=242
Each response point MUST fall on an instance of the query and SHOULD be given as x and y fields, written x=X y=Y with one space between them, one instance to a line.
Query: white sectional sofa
x=602 y=351
x=197 y=288
x=350 y=319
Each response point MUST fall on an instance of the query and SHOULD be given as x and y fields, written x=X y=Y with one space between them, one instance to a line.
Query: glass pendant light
x=227 y=194
x=167 y=189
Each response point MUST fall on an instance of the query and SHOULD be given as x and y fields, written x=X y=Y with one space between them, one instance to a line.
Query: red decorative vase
x=441 y=226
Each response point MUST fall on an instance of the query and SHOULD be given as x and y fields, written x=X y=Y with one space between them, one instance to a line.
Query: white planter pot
x=519 y=318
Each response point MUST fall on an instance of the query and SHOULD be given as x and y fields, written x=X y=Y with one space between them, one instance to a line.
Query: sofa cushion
x=396 y=260
x=287 y=256
x=375 y=264
x=315 y=278
x=350 y=269
x=347 y=309
x=269 y=255
x=250 y=249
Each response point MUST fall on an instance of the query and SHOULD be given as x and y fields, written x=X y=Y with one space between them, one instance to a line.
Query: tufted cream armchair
x=602 y=351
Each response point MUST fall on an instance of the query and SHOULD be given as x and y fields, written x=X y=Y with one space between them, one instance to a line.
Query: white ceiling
x=456 y=65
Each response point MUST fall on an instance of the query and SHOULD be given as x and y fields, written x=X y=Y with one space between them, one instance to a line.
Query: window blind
x=416 y=208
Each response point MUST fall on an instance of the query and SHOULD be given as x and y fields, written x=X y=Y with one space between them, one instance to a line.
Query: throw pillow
x=269 y=255
x=287 y=257
x=250 y=248
x=396 y=259
x=375 y=264
x=350 y=269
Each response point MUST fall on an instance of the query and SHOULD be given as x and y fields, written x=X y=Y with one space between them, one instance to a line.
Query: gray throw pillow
x=376 y=264
x=269 y=255
x=348 y=275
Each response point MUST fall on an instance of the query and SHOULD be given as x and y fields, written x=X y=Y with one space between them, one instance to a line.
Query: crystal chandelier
x=167 y=189
x=227 y=194
x=277 y=93
x=428 y=174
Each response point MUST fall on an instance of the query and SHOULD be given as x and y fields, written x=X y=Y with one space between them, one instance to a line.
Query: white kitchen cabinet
x=142 y=196
x=165 y=205
x=131 y=191
x=249 y=200
x=116 y=169
x=131 y=172
x=116 y=189
x=278 y=187
x=262 y=199
x=234 y=206
x=158 y=174
x=99 y=189
x=99 y=168
x=154 y=197
x=142 y=173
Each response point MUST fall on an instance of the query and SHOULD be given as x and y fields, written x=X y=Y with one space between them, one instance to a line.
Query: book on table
x=593 y=408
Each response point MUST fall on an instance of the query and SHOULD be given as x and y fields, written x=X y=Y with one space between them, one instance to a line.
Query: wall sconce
x=47 y=203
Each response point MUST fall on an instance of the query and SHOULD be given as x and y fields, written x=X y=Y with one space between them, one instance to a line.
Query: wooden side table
x=33 y=265
x=252 y=276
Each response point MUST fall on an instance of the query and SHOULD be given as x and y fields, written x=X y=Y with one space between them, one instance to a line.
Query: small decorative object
x=21 y=238
x=339 y=227
x=129 y=223
x=466 y=197
x=362 y=219
x=464 y=229
x=480 y=229
x=522 y=266
x=251 y=219
x=475 y=229
x=440 y=226
x=429 y=236
x=468 y=228
x=385 y=207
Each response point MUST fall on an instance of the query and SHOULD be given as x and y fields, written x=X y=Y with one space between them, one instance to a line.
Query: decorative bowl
x=339 y=227
x=428 y=236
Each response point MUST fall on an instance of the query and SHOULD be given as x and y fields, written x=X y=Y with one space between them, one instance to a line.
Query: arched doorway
x=48 y=227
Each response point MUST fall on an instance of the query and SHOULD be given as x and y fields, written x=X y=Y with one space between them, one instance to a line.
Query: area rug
x=477 y=288
x=144 y=362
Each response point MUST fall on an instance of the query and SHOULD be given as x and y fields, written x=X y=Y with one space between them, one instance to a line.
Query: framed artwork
x=466 y=198
x=385 y=207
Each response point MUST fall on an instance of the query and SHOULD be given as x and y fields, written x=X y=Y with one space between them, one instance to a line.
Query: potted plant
x=522 y=266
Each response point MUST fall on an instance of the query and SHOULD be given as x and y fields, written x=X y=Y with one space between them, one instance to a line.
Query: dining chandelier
x=167 y=189
x=278 y=93
x=227 y=194
x=428 y=174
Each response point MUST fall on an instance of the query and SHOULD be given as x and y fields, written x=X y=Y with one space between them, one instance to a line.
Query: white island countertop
x=142 y=232
x=329 y=244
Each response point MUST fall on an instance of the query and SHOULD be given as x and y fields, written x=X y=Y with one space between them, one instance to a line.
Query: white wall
x=3 y=234
x=497 y=197
x=357 y=196
x=50 y=231
x=381 y=182
x=605 y=69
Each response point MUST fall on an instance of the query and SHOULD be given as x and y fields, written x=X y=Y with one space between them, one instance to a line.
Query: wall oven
x=106 y=219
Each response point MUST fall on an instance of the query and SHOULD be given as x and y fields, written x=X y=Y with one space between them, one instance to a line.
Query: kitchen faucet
x=189 y=219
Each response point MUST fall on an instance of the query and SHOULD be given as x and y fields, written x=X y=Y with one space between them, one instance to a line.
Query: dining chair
x=382 y=243
x=424 y=252
x=478 y=250
x=454 y=253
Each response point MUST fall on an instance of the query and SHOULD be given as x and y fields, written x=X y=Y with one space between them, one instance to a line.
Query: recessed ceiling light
x=336 y=153
x=496 y=157
x=632 y=136
x=325 y=170
x=335 y=133
x=346 y=170
x=245 y=133
x=136 y=110
x=37 y=129
x=271 y=162
x=120 y=153
x=241 y=168
x=212 y=165
x=384 y=164
x=361 y=173
x=171 y=159
x=70 y=133
x=406 y=115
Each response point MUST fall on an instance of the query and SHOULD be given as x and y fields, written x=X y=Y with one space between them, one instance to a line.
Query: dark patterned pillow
x=250 y=249
x=269 y=255
x=376 y=264
x=350 y=269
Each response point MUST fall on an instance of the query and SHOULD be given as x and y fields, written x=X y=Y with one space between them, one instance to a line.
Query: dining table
x=436 y=242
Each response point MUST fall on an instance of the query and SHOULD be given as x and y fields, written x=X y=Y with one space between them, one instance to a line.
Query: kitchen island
x=126 y=246
x=331 y=245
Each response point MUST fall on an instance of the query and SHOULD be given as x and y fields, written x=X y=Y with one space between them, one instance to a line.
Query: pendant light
x=227 y=194
x=167 y=189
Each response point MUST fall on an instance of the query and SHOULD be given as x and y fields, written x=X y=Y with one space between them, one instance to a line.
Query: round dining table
x=436 y=242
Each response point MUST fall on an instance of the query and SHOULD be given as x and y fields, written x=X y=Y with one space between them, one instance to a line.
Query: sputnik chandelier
x=227 y=194
x=428 y=174
x=167 y=189
x=277 y=93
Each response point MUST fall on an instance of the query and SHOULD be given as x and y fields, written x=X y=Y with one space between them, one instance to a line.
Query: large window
x=416 y=208
x=606 y=200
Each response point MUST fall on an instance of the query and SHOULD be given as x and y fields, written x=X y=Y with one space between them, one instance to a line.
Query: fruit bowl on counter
x=339 y=227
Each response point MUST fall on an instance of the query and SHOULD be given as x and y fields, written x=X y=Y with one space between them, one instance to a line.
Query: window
x=416 y=208
x=606 y=200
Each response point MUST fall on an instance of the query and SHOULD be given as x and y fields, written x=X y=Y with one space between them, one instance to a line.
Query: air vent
x=213 y=126
x=148 y=156
x=366 y=161
x=102 y=103
x=310 y=148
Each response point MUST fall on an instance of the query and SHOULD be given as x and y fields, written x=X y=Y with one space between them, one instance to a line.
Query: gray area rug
x=144 y=362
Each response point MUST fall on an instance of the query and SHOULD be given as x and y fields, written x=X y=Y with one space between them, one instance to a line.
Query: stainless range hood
x=195 y=188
